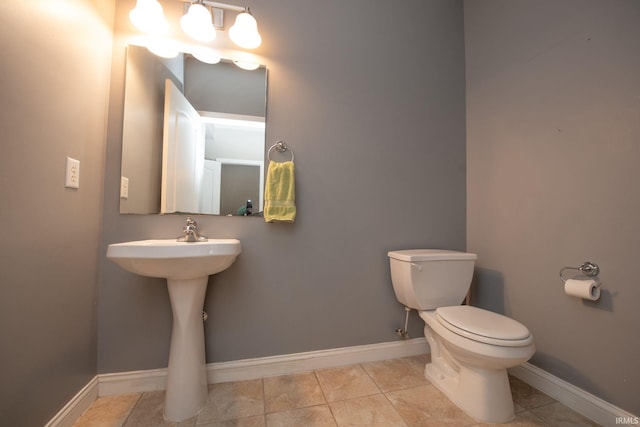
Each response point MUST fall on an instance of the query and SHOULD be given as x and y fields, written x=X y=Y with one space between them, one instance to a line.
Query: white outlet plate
x=124 y=187
x=72 y=176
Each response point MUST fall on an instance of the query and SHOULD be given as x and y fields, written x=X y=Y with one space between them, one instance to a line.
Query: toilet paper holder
x=587 y=268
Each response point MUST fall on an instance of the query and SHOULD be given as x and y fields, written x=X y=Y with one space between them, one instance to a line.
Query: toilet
x=471 y=348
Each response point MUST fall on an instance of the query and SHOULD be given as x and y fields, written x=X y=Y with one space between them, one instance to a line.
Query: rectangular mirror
x=193 y=136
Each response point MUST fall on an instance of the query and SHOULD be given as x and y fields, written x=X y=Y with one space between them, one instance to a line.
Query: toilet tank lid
x=415 y=255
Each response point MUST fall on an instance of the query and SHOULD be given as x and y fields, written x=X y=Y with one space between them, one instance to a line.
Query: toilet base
x=473 y=374
x=483 y=394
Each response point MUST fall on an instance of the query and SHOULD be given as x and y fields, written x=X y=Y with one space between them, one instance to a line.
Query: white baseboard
x=132 y=382
x=247 y=369
x=322 y=359
x=76 y=406
x=592 y=407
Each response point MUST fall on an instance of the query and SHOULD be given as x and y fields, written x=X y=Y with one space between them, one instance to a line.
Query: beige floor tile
x=427 y=406
x=523 y=419
x=315 y=416
x=292 y=391
x=149 y=412
x=254 y=421
x=558 y=415
x=111 y=411
x=232 y=400
x=527 y=397
x=397 y=374
x=517 y=408
x=346 y=383
x=366 y=411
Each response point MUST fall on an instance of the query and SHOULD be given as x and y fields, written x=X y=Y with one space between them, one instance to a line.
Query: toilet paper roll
x=587 y=289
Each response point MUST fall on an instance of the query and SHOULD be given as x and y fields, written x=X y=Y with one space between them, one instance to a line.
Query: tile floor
x=387 y=393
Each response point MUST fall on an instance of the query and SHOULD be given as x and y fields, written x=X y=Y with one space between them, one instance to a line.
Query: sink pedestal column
x=187 y=378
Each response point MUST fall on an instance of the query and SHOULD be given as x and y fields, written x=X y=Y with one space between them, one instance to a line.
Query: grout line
x=264 y=401
x=395 y=409
x=324 y=395
x=370 y=377
x=132 y=409
x=326 y=401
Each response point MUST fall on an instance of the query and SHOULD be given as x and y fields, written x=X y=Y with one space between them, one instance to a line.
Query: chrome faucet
x=190 y=232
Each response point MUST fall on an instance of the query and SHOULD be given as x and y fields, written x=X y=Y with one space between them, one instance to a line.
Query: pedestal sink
x=187 y=267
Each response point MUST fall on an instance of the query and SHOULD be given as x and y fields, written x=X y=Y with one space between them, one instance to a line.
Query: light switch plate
x=72 y=176
x=124 y=187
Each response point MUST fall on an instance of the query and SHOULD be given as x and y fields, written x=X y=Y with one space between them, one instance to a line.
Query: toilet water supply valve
x=404 y=333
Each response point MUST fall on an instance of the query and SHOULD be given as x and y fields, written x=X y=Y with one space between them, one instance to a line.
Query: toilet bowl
x=471 y=348
x=471 y=368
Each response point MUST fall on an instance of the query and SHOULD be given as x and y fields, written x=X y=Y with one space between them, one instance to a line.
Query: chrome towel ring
x=281 y=147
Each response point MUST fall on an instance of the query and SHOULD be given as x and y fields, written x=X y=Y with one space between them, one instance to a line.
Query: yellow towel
x=280 y=193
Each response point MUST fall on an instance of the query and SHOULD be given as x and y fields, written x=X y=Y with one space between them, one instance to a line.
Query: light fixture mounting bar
x=225 y=6
x=217 y=5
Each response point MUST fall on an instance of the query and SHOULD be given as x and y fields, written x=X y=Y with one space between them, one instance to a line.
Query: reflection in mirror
x=193 y=136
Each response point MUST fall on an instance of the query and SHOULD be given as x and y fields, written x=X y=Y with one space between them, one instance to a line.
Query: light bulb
x=163 y=48
x=148 y=17
x=244 y=32
x=206 y=57
x=249 y=66
x=196 y=23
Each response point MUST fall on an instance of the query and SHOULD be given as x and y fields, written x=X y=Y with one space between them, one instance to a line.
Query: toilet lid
x=482 y=325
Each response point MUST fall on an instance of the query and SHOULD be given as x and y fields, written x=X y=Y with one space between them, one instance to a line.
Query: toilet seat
x=483 y=326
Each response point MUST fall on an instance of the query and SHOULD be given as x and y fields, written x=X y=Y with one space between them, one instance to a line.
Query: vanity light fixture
x=148 y=17
x=200 y=23
x=197 y=23
x=244 y=32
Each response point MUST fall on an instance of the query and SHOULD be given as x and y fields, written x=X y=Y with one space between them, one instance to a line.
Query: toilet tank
x=426 y=279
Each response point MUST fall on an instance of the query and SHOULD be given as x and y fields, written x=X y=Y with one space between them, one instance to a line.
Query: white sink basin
x=187 y=267
x=171 y=259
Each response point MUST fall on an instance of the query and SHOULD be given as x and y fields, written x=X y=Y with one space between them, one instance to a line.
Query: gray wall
x=55 y=80
x=375 y=114
x=553 y=121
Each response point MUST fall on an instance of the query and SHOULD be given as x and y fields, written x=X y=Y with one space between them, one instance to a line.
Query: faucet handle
x=191 y=227
x=190 y=232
